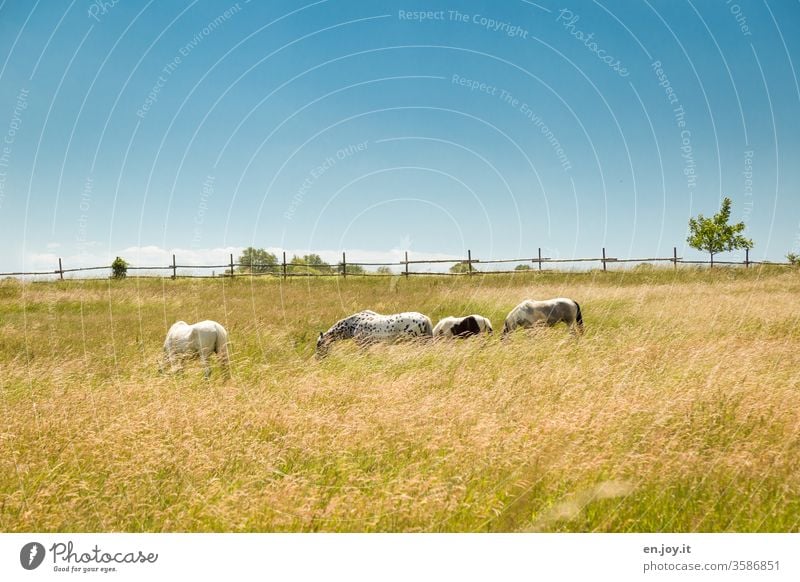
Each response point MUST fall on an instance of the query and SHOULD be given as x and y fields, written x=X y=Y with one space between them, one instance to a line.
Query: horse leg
x=204 y=361
x=362 y=340
x=162 y=361
x=224 y=360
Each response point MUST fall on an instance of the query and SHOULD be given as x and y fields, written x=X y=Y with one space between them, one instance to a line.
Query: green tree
x=351 y=269
x=714 y=235
x=311 y=264
x=522 y=268
x=793 y=258
x=316 y=262
x=462 y=267
x=383 y=270
x=254 y=260
x=119 y=268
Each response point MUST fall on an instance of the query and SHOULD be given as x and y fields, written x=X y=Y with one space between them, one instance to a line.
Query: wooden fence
x=404 y=268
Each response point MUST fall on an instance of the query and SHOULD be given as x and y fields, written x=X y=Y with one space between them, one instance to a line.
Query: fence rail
x=293 y=269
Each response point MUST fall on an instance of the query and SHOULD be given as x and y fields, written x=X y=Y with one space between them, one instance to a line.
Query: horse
x=367 y=327
x=462 y=326
x=549 y=312
x=198 y=340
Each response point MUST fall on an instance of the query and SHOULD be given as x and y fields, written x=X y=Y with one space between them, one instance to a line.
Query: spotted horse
x=366 y=327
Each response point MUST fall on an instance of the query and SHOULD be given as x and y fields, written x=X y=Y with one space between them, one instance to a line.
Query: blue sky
x=203 y=127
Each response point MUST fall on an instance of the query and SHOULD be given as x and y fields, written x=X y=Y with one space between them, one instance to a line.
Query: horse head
x=322 y=346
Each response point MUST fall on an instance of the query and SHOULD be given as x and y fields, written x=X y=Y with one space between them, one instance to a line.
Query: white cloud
x=39 y=262
x=156 y=256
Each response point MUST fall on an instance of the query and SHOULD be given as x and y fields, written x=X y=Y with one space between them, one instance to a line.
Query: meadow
x=677 y=411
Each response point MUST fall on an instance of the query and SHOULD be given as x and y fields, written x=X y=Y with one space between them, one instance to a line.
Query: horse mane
x=343 y=329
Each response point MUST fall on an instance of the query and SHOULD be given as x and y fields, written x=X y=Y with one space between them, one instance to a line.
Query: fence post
x=344 y=265
x=604 y=258
x=231 y=265
x=746 y=258
x=284 y=265
x=406 y=264
x=469 y=261
x=60 y=269
x=540 y=258
x=174 y=268
x=675 y=258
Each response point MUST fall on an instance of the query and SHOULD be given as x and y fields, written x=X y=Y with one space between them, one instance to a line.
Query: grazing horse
x=550 y=312
x=462 y=326
x=198 y=340
x=366 y=327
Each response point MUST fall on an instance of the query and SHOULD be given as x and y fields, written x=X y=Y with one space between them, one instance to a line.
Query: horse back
x=211 y=335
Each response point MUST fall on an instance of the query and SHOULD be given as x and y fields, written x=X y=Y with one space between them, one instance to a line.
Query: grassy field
x=679 y=410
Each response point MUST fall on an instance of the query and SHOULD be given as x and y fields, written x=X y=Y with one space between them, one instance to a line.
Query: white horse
x=366 y=327
x=198 y=340
x=550 y=312
x=462 y=326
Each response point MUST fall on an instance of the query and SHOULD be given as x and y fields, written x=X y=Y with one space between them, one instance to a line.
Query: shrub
x=119 y=268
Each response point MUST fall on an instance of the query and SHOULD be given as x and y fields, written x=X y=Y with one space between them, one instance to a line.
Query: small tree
x=351 y=269
x=119 y=268
x=714 y=235
x=522 y=268
x=254 y=260
x=310 y=265
x=793 y=258
x=316 y=262
x=383 y=270
x=462 y=267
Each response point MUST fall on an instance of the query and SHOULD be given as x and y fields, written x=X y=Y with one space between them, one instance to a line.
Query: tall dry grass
x=677 y=411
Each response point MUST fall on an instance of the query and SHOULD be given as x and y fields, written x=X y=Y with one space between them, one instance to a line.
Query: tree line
x=253 y=260
x=712 y=235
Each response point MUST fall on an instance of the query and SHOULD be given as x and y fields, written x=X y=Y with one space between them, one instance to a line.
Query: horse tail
x=221 y=345
x=578 y=317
